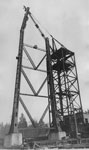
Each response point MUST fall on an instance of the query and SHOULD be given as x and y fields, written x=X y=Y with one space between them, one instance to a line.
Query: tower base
x=56 y=136
x=13 y=140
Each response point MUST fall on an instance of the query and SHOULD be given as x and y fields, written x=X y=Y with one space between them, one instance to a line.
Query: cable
x=41 y=25
x=47 y=31
x=37 y=26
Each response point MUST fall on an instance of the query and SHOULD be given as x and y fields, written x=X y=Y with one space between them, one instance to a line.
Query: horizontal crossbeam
x=43 y=96
x=35 y=47
x=34 y=69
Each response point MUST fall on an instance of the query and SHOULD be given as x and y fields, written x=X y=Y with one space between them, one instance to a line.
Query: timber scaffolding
x=64 y=100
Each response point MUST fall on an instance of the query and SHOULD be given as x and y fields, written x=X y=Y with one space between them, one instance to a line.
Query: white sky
x=67 y=20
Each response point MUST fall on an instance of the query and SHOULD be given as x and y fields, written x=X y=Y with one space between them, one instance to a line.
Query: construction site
x=67 y=127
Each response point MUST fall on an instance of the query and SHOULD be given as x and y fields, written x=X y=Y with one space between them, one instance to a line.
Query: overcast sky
x=67 y=20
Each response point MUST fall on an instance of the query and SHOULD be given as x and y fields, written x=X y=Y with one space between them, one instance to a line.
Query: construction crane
x=64 y=100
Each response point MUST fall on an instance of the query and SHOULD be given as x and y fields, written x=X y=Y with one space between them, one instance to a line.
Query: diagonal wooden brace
x=27 y=112
x=44 y=113
x=41 y=86
x=28 y=81
x=29 y=58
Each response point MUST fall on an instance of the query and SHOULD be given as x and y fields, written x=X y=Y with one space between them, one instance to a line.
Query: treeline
x=4 y=128
x=86 y=111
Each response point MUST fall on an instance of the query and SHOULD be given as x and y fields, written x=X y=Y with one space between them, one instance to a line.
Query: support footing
x=13 y=140
x=56 y=135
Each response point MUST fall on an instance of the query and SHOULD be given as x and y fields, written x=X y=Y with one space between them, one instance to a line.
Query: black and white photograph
x=44 y=74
